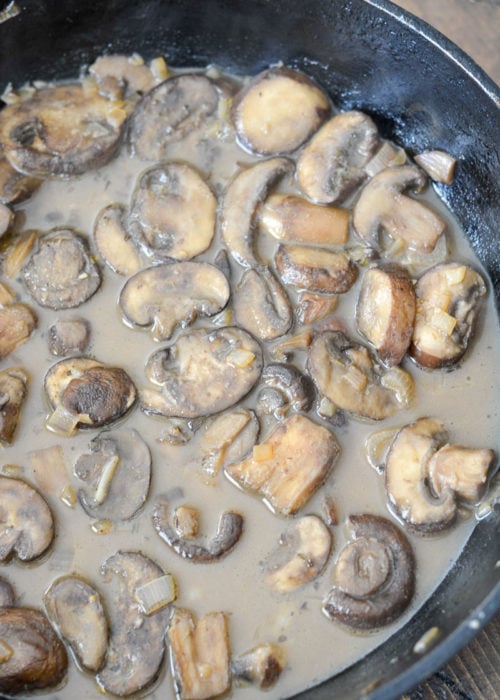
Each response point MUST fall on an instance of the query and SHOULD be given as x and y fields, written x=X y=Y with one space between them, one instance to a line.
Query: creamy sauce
x=465 y=399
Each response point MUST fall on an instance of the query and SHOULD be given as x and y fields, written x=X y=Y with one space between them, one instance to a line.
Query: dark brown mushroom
x=15 y=187
x=13 y=389
x=68 y=336
x=374 y=575
x=113 y=242
x=294 y=390
x=261 y=666
x=315 y=269
x=261 y=305
x=17 y=323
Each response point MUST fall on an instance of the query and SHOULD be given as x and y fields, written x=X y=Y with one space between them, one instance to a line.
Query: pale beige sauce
x=465 y=399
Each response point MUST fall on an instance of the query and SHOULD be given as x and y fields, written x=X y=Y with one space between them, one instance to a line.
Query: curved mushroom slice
x=118 y=473
x=374 y=575
x=285 y=388
x=448 y=302
x=68 y=336
x=17 y=323
x=74 y=607
x=261 y=666
x=172 y=212
x=61 y=273
x=168 y=113
x=238 y=212
x=386 y=311
x=315 y=269
x=226 y=439
x=15 y=186
x=289 y=466
x=345 y=373
x=200 y=654
x=113 y=242
x=7 y=594
x=204 y=372
x=120 y=76
x=37 y=658
x=165 y=296
x=382 y=206
x=6 y=218
x=60 y=131
x=261 y=305
x=463 y=470
x=333 y=162
x=13 y=389
x=136 y=644
x=314 y=307
x=85 y=393
x=27 y=526
x=278 y=111
x=304 y=549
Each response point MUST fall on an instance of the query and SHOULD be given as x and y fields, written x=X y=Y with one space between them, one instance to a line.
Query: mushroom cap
x=261 y=305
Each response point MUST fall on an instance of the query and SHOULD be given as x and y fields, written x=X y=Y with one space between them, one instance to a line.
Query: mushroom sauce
x=287 y=465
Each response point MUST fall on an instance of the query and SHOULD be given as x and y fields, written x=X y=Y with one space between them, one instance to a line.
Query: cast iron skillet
x=421 y=90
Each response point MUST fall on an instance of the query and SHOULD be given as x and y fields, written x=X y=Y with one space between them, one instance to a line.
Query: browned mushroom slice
x=345 y=373
x=439 y=165
x=374 y=575
x=289 y=466
x=68 y=336
x=85 y=393
x=6 y=218
x=332 y=164
x=226 y=439
x=113 y=242
x=228 y=533
x=164 y=296
x=302 y=553
x=386 y=311
x=37 y=658
x=15 y=186
x=168 y=113
x=172 y=212
x=136 y=644
x=74 y=607
x=238 y=213
x=61 y=273
x=448 y=302
x=260 y=666
x=382 y=206
x=293 y=389
x=27 y=525
x=312 y=307
x=200 y=654
x=261 y=305
x=60 y=131
x=118 y=473
x=278 y=111
x=13 y=389
x=463 y=470
x=121 y=76
x=17 y=322
x=315 y=269
x=204 y=372
x=7 y=594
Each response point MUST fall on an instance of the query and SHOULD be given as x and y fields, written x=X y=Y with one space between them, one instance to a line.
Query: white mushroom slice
x=238 y=213
x=261 y=666
x=172 y=212
x=289 y=466
x=164 y=296
x=312 y=307
x=439 y=165
x=278 y=111
x=69 y=335
x=385 y=312
x=121 y=76
x=15 y=186
x=382 y=206
x=315 y=269
x=203 y=372
x=17 y=323
x=463 y=470
x=449 y=299
x=261 y=305
x=302 y=553
x=113 y=242
x=333 y=162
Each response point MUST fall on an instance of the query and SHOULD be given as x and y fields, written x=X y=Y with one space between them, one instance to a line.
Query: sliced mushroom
x=294 y=390
x=315 y=269
x=345 y=373
x=113 y=241
x=118 y=474
x=200 y=654
x=13 y=389
x=86 y=393
x=463 y=470
x=6 y=218
x=60 y=131
x=68 y=336
x=439 y=165
x=382 y=206
x=15 y=186
x=386 y=311
x=168 y=113
x=37 y=658
x=374 y=575
x=260 y=666
x=17 y=323
x=226 y=439
x=121 y=76
x=261 y=305
x=448 y=302
x=333 y=162
x=238 y=212
x=302 y=553
x=61 y=273
x=164 y=296
x=136 y=644
x=172 y=212
x=75 y=609
x=289 y=466
x=204 y=372
x=27 y=526
x=7 y=594
x=278 y=111
x=312 y=307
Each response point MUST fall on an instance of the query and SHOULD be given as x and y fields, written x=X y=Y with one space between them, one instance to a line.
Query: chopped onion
x=107 y=473
x=439 y=165
x=386 y=157
x=377 y=446
x=50 y=471
x=62 y=421
x=156 y=594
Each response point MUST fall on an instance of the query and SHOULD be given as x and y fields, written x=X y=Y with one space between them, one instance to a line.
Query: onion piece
x=387 y=156
x=156 y=594
x=439 y=165
x=50 y=472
